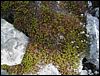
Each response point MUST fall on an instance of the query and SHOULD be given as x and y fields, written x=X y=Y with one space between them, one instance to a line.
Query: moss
x=75 y=7
x=6 y=5
x=4 y=66
x=27 y=62
x=44 y=28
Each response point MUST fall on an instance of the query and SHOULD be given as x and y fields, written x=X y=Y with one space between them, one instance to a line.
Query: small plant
x=44 y=29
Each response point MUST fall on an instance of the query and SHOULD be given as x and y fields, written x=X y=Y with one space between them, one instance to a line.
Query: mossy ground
x=44 y=27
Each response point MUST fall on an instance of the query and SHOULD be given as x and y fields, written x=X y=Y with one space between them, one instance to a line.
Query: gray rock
x=49 y=69
x=97 y=12
x=4 y=72
x=92 y=30
x=13 y=44
x=84 y=72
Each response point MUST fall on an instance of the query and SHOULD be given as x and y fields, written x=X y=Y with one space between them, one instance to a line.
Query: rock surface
x=49 y=69
x=83 y=72
x=90 y=64
x=4 y=72
x=92 y=28
x=13 y=44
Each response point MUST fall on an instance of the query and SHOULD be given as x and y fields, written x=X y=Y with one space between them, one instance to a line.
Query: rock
x=13 y=44
x=96 y=72
x=97 y=12
x=90 y=72
x=49 y=69
x=91 y=62
x=80 y=66
x=84 y=72
x=92 y=30
x=4 y=72
x=89 y=3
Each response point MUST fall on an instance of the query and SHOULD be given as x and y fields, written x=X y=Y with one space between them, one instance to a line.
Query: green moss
x=45 y=45
x=27 y=62
x=4 y=66
x=5 y=5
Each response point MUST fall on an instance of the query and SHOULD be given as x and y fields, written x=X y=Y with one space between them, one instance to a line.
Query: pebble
x=96 y=72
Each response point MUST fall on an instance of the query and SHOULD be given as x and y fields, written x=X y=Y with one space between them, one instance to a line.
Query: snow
x=13 y=44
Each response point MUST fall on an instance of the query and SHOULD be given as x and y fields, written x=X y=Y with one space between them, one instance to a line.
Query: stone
x=4 y=72
x=49 y=69
x=89 y=3
x=13 y=44
x=97 y=12
x=93 y=31
x=84 y=72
